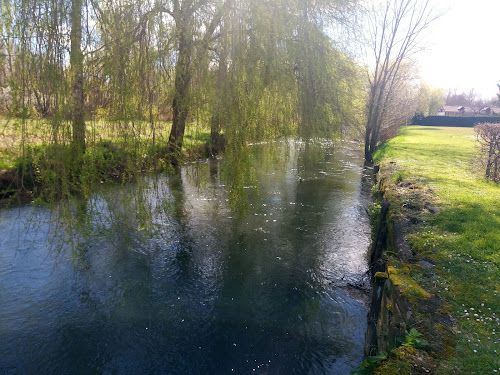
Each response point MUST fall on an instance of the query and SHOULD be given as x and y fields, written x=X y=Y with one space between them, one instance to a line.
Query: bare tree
x=401 y=105
x=474 y=102
x=470 y=99
x=395 y=31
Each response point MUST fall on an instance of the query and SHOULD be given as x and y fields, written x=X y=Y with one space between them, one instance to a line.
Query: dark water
x=163 y=277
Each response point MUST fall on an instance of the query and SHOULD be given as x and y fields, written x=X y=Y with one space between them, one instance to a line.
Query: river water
x=166 y=276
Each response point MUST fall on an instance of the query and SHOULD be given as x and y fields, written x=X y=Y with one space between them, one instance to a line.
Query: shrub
x=454 y=121
x=488 y=137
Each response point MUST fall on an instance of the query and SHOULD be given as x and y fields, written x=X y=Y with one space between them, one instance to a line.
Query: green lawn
x=463 y=239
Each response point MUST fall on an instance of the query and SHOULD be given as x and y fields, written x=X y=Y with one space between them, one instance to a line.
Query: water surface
x=164 y=277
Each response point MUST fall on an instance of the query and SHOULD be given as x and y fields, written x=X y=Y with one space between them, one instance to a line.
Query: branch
x=158 y=9
x=209 y=33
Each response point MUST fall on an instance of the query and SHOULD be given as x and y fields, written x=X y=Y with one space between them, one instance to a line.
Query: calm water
x=163 y=277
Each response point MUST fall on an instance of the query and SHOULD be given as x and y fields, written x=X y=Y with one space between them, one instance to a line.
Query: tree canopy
x=256 y=67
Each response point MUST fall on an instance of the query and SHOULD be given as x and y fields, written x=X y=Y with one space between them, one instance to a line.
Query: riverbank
x=35 y=163
x=442 y=253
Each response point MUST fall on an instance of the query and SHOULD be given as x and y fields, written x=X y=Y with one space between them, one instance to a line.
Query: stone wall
x=392 y=312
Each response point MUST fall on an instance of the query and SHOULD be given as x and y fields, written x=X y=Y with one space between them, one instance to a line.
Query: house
x=455 y=110
x=460 y=110
x=490 y=111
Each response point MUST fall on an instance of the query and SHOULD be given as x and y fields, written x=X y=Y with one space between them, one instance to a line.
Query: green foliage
x=254 y=71
x=430 y=100
x=370 y=364
x=414 y=339
x=375 y=190
x=239 y=174
x=385 y=362
x=46 y=169
x=329 y=86
x=399 y=176
x=374 y=213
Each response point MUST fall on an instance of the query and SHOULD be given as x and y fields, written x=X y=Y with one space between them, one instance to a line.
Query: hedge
x=457 y=121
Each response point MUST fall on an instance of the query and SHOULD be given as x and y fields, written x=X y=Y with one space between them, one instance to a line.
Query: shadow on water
x=237 y=265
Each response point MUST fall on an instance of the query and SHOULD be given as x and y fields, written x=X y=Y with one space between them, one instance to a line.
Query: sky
x=463 y=47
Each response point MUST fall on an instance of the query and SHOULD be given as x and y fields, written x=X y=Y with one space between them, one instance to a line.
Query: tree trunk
x=76 y=61
x=368 y=132
x=375 y=135
x=219 y=116
x=180 y=106
x=369 y=122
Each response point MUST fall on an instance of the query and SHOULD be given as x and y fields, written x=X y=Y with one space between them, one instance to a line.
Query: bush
x=488 y=136
x=462 y=122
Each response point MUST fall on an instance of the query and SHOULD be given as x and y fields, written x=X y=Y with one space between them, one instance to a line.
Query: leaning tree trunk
x=76 y=61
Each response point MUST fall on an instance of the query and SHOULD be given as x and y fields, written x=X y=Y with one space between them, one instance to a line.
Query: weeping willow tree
x=284 y=76
x=280 y=76
x=120 y=83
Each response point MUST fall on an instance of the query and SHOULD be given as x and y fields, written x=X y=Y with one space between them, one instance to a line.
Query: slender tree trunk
x=76 y=61
x=375 y=134
x=368 y=132
x=218 y=119
x=369 y=121
x=373 y=123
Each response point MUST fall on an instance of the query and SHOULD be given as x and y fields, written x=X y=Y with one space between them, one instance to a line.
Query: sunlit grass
x=17 y=135
x=463 y=238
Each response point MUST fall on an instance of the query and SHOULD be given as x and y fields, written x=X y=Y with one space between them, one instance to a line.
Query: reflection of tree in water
x=311 y=154
x=242 y=167
x=286 y=264
x=150 y=206
x=158 y=207
x=255 y=279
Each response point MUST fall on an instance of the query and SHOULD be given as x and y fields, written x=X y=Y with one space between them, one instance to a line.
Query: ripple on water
x=207 y=291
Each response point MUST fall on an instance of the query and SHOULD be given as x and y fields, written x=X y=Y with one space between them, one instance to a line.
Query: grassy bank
x=454 y=217
x=16 y=134
x=36 y=160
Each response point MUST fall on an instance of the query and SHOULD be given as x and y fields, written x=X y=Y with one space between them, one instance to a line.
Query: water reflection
x=167 y=277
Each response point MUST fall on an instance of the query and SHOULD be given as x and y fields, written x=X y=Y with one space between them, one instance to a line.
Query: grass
x=35 y=163
x=462 y=238
x=16 y=135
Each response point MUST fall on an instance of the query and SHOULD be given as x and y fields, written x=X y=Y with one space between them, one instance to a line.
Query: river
x=166 y=276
